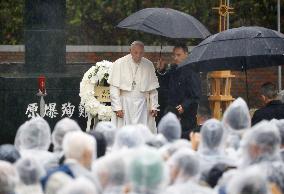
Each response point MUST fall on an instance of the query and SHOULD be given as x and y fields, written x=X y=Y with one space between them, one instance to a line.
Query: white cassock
x=133 y=90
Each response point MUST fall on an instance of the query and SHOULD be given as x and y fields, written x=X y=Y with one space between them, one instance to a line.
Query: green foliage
x=11 y=21
x=92 y=22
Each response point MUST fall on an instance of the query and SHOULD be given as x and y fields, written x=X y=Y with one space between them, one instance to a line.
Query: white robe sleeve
x=154 y=99
x=115 y=98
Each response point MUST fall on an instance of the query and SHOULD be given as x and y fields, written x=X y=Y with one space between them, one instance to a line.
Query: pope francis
x=133 y=89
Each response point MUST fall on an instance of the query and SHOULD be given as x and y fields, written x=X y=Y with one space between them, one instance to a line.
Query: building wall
x=81 y=58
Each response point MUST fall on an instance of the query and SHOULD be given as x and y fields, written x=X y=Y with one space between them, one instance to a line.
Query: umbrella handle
x=247 y=90
x=160 y=55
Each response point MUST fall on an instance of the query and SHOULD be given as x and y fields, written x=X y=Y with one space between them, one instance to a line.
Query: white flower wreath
x=96 y=75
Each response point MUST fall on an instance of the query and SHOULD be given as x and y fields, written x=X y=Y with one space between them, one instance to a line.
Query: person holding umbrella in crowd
x=184 y=89
x=273 y=109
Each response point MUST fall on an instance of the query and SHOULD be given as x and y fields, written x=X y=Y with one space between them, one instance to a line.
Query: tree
x=93 y=21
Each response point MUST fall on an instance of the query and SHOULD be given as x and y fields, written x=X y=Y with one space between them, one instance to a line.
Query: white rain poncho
x=280 y=126
x=261 y=144
x=249 y=181
x=80 y=185
x=8 y=178
x=33 y=139
x=184 y=169
x=108 y=130
x=128 y=137
x=275 y=174
x=9 y=153
x=33 y=134
x=169 y=149
x=145 y=132
x=212 y=138
x=147 y=171
x=236 y=116
x=62 y=127
x=183 y=165
x=157 y=141
x=236 y=120
x=111 y=171
x=170 y=127
x=30 y=171
x=57 y=181
x=211 y=147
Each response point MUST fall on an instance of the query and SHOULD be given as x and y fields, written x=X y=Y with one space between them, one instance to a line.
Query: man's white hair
x=136 y=42
x=76 y=143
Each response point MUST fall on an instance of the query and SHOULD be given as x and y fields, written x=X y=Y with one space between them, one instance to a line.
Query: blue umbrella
x=165 y=22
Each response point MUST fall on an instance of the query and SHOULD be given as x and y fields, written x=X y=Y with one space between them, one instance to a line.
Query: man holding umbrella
x=184 y=89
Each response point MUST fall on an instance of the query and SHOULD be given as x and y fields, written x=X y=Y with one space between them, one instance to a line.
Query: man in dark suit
x=184 y=90
x=273 y=109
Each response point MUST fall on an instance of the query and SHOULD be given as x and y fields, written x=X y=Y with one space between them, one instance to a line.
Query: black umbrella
x=165 y=22
x=238 y=49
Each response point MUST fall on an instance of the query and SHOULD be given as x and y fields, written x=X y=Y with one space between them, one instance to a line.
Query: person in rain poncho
x=211 y=147
x=30 y=171
x=9 y=153
x=80 y=185
x=236 y=120
x=79 y=150
x=33 y=139
x=157 y=141
x=212 y=176
x=109 y=131
x=170 y=148
x=145 y=132
x=61 y=128
x=111 y=171
x=249 y=181
x=170 y=127
x=133 y=89
x=56 y=182
x=261 y=145
x=101 y=143
x=184 y=169
x=275 y=176
x=280 y=126
x=147 y=172
x=8 y=178
x=128 y=137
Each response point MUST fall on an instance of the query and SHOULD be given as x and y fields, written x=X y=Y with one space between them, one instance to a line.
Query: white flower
x=90 y=80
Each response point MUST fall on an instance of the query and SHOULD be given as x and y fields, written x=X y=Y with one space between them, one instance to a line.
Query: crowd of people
x=224 y=157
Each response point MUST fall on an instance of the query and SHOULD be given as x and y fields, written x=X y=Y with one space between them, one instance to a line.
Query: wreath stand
x=102 y=94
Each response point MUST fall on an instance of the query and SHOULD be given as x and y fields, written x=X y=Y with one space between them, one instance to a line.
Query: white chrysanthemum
x=90 y=80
